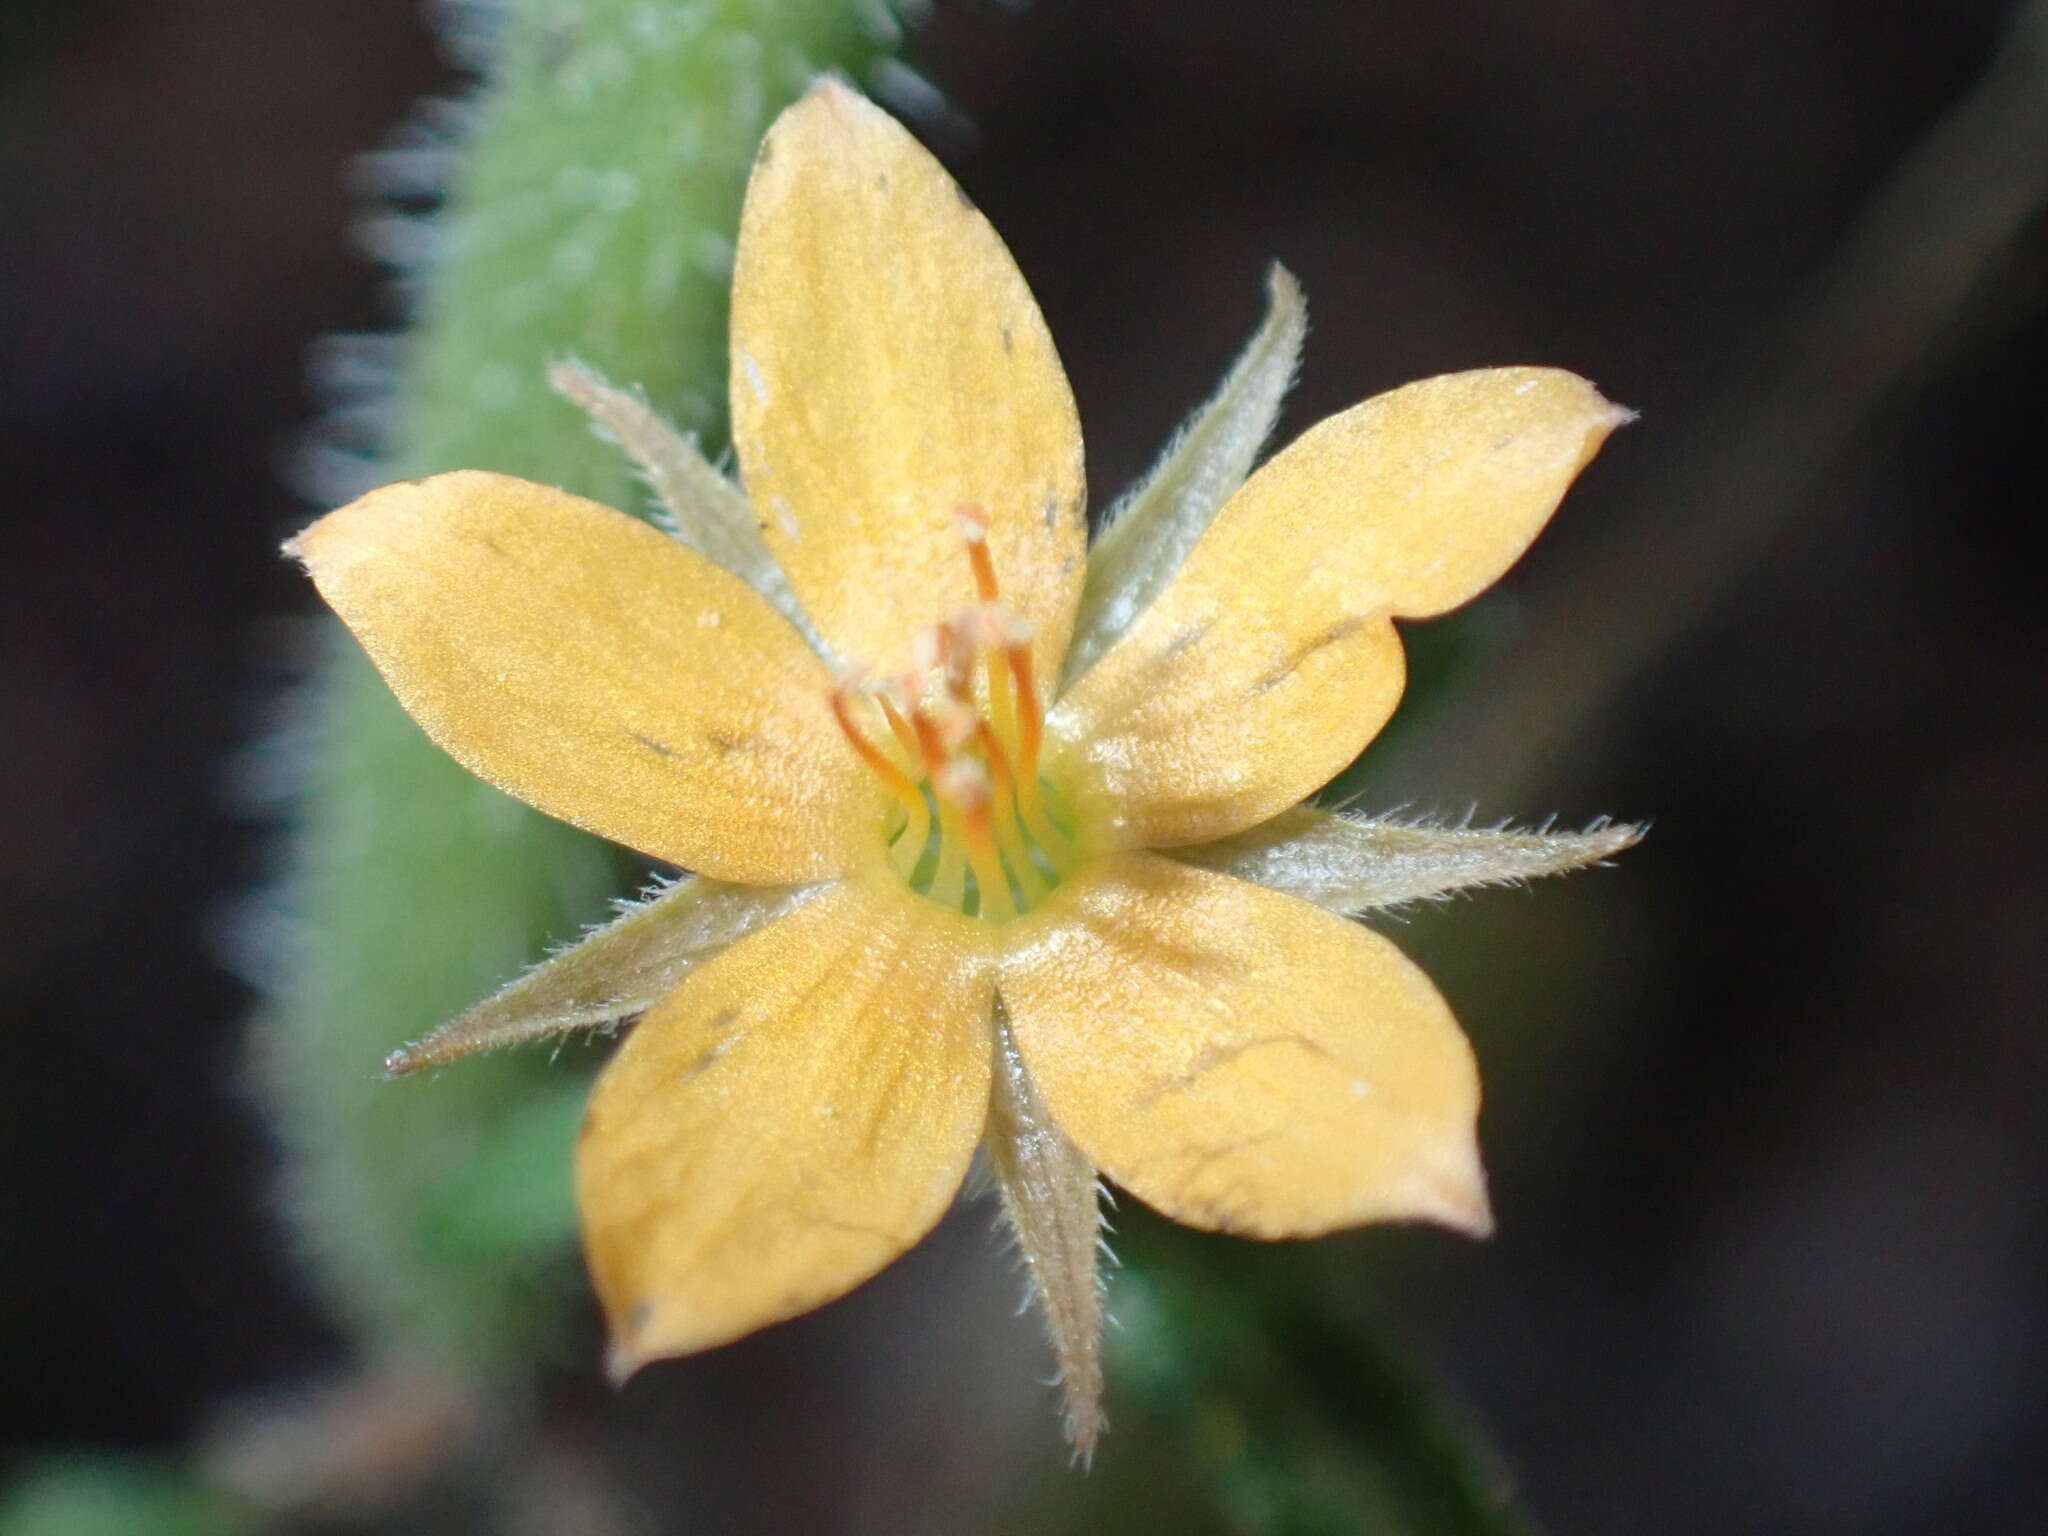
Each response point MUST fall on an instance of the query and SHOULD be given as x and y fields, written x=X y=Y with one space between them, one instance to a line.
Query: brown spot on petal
x=659 y=749
x=1186 y=640
x=1336 y=633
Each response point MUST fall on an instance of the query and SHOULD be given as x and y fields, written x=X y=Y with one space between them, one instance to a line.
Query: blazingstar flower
x=993 y=842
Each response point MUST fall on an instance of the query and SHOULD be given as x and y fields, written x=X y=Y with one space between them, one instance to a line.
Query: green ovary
x=954 y=853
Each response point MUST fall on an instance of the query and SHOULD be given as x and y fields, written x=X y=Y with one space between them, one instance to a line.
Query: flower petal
x=888 y=366
x=800 y=1111
x=1241 y=1060
x=597 y=669
x=1269 y=662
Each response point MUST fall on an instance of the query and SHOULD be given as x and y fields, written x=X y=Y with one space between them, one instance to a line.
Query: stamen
x=974 y=534
x=917 y=816
x=1016 y=654
x=898 y=782
x=931 y=751
x=965 y=784
x=1032 y=717
x=1014 y=707
x=893 y=711
x=989 y=624
x=910 y=845
x=994 y=886
x=962 y=792
x=974 y=805
x=949 y=875
x=956 y=658
x=1009 y=836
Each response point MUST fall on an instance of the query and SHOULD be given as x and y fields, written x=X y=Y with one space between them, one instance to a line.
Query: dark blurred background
x=1764 y=1102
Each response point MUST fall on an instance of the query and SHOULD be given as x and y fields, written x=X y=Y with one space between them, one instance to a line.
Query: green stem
x=592 y=206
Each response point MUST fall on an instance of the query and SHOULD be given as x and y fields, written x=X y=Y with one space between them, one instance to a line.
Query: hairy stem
x=591 y=188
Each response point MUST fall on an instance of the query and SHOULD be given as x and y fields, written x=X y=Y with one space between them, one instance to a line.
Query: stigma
x=957 y=740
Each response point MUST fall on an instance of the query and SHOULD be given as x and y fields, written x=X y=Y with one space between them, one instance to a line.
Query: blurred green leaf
x=1290 y=1420
x=1441 y=654
x=516 y=1196
x=73 y=1494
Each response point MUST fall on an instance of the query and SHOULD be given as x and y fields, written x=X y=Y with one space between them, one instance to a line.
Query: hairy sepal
x=1356 y=864
x=613 y=973
x=694 y=501
x=1052 y=1204
x=1149 y=533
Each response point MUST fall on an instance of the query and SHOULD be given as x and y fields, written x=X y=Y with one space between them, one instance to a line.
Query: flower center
x=957 y=741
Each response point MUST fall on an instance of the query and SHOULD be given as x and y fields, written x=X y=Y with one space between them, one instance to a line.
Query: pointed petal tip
x=319 y=546
x=630 y=1347
x=1616 y=417
x=307 y=545
x=1603 y=417
x=621 y=1365
x=832 y=90
x=829 y=91
x=1454 y=1195
x=1473 y=1218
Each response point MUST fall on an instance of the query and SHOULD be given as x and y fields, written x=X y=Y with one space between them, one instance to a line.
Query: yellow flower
x=1014 y=865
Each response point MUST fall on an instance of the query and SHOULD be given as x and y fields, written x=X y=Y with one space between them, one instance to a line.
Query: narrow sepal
x=697 y=503
x=1358 y=864
x=1149 y=532
x=1052 y=1204
x=613 y=973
